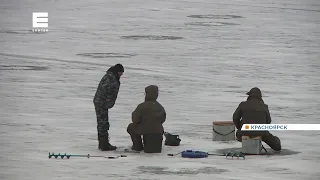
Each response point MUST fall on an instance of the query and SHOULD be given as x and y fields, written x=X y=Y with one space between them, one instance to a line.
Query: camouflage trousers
x=102 y=121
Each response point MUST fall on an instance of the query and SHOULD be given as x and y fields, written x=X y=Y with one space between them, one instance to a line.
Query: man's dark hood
x=255 y=93
x=151 y=93
x=115 y=70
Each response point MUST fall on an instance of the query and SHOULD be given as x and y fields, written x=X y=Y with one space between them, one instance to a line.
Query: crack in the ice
x=20 y=67
x=214 y=16
x=16 y=31
x=208 y=24
x=73 y=62
x=151 y=37
x=106 y=55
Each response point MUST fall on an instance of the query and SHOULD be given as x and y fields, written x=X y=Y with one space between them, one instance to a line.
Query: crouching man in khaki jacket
x=147 y=118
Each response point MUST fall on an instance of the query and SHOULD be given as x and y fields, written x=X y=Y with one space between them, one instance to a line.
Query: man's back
x=251 y=112
x=107 y=89
x=254 y=111
x=150 y=115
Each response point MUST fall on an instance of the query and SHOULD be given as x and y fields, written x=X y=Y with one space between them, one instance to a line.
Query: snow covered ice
x=204 y=55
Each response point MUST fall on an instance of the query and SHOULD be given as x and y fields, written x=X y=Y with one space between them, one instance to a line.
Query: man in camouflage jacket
x=105 y=99
x=147 y=118
x=255 y=111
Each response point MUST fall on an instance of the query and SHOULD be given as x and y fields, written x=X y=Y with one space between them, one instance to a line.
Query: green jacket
x=149 y=116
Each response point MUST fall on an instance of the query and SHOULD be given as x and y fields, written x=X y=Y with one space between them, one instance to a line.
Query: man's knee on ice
x=129 y=128
x=133 y=129
x=272 y=141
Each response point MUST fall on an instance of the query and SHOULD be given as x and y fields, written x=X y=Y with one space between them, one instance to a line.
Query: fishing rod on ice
x=68 y=156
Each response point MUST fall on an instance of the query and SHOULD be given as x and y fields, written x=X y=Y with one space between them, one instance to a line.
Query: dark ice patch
x=209 y=24
x=14 y=124
x=151 y=37
x=275 y=169
x=279 y=170
x=22 y=68
x=52 y=59
x=215 y=16
x=181 y=171
x=130 y=178
x=141 y=70
x=283 y=152
x=106 y=55
x=153 y=9
x=233 y=87
x=16 y=31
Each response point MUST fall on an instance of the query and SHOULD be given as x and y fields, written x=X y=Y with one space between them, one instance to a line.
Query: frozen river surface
x=204 y=55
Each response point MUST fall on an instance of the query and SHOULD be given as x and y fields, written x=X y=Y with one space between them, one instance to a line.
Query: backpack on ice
x=172 y=140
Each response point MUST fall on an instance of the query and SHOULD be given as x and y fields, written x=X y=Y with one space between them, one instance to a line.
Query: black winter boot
x=137 y=143
x=101 y=142
x=109 y=146
x=104 y=144
x=278 y=144
x=99 y=145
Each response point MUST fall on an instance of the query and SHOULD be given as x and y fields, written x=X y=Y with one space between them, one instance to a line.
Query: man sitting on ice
x=147 y=118
x=255 y=111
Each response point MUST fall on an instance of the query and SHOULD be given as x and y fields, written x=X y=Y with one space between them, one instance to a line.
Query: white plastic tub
x=223 y=131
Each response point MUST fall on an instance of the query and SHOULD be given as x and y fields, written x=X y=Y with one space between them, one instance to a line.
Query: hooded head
x=117 y=70
x=254 y=93
x=151 y=93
